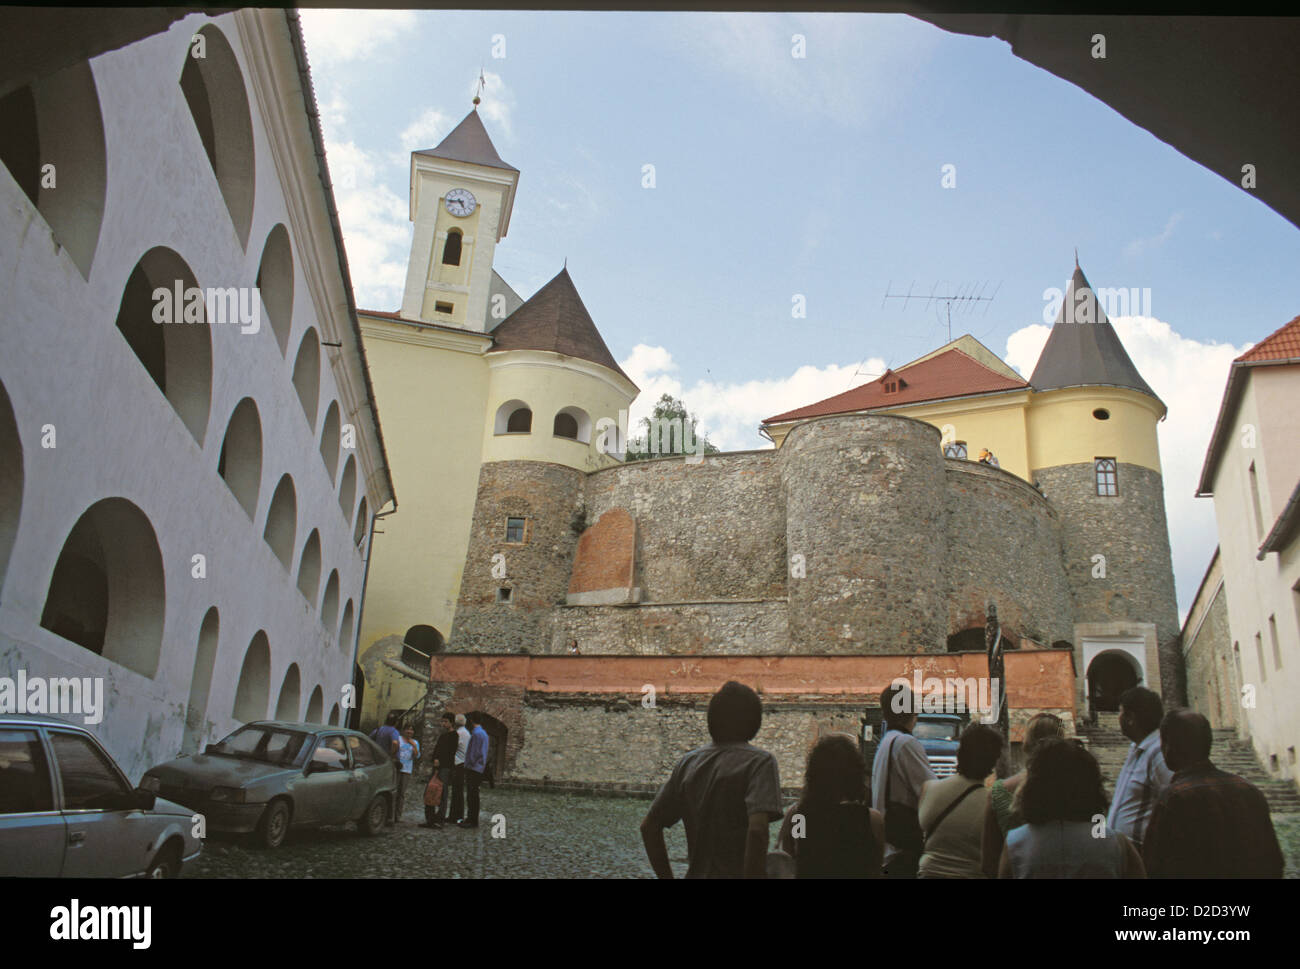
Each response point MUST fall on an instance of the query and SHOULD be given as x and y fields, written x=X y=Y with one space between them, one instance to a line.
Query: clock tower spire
x=462 y=194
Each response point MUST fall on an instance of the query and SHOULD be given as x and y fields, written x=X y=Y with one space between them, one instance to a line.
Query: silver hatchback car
x=66 y=809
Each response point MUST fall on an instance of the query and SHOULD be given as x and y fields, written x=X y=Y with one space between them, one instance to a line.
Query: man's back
x=713 y=790
x=1209 y=823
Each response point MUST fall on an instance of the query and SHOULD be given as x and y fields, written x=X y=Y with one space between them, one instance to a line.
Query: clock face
x=461 y=201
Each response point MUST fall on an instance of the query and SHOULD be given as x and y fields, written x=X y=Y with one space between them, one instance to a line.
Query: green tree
x=669 y=427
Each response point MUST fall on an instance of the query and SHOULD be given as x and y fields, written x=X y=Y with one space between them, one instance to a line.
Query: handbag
x=433 y=792
x=902 y=823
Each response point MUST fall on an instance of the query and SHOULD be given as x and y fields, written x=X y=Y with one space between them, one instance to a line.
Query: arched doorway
x=497 y=733
x=1109 y=674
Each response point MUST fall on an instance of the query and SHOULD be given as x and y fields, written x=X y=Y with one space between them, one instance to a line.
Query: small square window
x=516 y=529
x=503 y=594
x=441 y=307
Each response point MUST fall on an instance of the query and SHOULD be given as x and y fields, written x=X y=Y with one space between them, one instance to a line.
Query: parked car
x=940 y=735
x=270 y=775
x=66 y=809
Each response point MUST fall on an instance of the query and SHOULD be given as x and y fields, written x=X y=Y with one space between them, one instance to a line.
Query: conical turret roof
x=469 y=142
x=1083 y=349
x=554 y=319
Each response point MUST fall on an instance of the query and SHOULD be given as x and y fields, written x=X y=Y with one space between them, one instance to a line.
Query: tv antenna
x=965 y=297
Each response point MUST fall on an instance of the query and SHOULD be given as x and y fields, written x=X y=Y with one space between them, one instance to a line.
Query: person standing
x=475 y=763
x=1144 y=776
x=897 y=775
x=1207 y=823
x=952 y=810
x=458 y=771
x=444 y=758
x=727 y=793
x=387 y=736
x=830 y=832
x=1003 y=813
x=408 y=752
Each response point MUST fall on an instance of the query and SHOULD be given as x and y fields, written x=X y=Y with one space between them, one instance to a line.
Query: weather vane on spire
x=482 y=82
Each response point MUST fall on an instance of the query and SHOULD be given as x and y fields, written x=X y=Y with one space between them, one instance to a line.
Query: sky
x=818 y=181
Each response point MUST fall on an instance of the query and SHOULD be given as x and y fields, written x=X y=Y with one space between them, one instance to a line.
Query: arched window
x=11 y=481
x=513 y=416
x=173 y=343
x=329 y=605
x=520 y=421
x=955 y=449
x=306 y=375
x=275 y=282
x=345 y=628
x=282 y=521
x=359 y=530
x=451 y=248
x=214 y=90
x=240 y=464
x=309 y=567
x=253 y=691
x=107 y=592
x=566 y=425
x=1107 y=477
x=329 y=440
x=315 y=706
x=52 y=142
x=286 y=708
x=205 y=657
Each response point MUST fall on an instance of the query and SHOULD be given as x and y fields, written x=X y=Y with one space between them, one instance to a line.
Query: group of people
x=460 y=757
x=1173 y=813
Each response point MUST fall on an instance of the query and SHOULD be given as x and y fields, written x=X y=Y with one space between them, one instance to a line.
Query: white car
x=67 y=810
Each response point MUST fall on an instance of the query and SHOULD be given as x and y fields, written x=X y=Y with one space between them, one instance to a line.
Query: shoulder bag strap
x=889 y=771
x=950 y=808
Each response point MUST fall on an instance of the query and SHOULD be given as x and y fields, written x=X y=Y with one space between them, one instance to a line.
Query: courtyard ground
x=546 y=835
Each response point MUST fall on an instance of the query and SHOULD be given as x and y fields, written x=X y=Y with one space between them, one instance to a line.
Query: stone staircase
x=1110 y=747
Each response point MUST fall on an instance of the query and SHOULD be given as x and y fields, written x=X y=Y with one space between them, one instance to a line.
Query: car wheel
x=375 y=816
x=274 y=824
x=165 y=864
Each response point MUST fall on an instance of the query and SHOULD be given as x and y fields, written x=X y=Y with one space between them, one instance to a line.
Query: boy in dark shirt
x=727 y=793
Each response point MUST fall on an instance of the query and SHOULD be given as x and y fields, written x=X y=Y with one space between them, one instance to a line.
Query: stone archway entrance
x=1110 y=673
x=497 y=732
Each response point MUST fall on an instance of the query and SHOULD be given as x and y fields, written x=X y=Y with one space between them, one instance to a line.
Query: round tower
x=1094 y=451
x=865 y=535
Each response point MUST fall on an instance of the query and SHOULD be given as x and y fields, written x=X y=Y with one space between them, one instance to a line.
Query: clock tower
x=462 y=194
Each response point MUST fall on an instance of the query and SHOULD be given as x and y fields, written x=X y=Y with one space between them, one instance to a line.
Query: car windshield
x=935 y=730
x=270 y=745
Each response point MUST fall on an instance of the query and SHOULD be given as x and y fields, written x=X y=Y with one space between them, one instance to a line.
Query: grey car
x=66 y=809
x=270 y=775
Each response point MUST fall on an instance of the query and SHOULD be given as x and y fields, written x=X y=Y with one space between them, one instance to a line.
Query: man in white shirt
x=458 y=771
x=1144 y=776
x=899 y=770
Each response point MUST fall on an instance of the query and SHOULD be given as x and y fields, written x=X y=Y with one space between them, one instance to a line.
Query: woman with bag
x=952 y=810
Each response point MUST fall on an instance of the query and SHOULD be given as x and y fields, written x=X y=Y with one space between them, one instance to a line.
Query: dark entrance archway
x=1109 y=675
x=497 y=733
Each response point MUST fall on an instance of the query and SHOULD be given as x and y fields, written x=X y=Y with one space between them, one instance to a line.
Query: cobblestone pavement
x=547 y=835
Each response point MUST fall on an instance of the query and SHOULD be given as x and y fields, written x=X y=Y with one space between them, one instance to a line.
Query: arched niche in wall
x=253 y=692
x=240 y=462
x=282 y=521
x=275 y=282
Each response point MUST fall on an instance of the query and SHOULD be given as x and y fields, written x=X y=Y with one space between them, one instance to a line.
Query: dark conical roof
x=554 y=319
x=1083 y=349
x=469 y=142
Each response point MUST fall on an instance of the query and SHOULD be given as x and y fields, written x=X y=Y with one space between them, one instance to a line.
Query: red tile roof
x=950 y=374
x=1282 y=344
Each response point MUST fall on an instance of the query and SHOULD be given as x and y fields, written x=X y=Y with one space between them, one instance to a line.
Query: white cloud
x=375 y=228
x=1189 y=377
x=336 y=36
x=425 y=131
x=1139 y=246
x=498 y=104
x=729 y=413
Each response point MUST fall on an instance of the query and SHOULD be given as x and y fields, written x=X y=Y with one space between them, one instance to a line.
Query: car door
x=32 y=831
x=370 y=768
x=324 y=794
x=108 y=836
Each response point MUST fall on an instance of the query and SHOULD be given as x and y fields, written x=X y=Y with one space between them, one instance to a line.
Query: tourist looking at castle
x=444 y=758
x=952 y=810
x=1207 y=823
x=458 y=771
x=831 y=832
x=1003 y=811
x=726 y=793
x=1064 y=834
x=1144 y=776
x=408 y=751
x=476 y=755
x=897 y=775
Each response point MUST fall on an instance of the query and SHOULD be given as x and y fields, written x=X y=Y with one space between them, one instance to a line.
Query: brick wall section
x=1004 y=545
x=1131 y=531
x=606 y=554
x=1212 y=687
x=718 y=627
x=537 y=572
x=864 y=506
x=712 y=530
